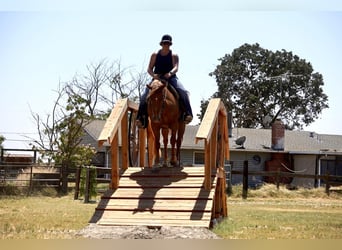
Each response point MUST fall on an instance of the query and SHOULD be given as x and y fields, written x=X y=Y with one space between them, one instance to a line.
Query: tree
x=2 y=139
x=70 y=153
x=103 y=84
x=259 y=86
x=61 y=137
x=86 y=97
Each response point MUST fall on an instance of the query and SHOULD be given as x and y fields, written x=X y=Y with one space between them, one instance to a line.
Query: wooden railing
x=110 y=133
x=117 y=125
x=214 y=131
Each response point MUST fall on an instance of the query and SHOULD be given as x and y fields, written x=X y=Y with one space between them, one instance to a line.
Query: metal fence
x=277 y=177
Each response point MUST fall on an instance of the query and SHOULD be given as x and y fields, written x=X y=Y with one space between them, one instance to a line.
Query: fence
x=35 y=176
x=29 y=176
x=329 y=180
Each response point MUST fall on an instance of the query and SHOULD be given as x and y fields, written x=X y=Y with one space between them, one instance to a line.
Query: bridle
x=157 y=116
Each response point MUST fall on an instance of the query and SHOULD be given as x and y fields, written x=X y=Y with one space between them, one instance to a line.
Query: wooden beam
x=113 y=122
x=207 y=168
x=132 y=105
x=207 y=124
x=213 y=146
x=124 y=141
x=115 y=162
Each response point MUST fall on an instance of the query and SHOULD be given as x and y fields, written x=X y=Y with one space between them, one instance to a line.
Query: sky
x=43 y=43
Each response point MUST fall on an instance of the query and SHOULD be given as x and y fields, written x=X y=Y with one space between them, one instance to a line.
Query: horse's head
x=155 y=87
x=155 y=99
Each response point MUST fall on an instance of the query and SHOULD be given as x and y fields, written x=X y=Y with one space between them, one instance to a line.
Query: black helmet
x=166 y=39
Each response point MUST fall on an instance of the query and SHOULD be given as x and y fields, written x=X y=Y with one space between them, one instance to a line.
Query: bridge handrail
x=215 y=118
x=114 y=120
x=118 y=118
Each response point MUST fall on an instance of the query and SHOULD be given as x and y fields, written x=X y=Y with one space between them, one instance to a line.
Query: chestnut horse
x=165 y=114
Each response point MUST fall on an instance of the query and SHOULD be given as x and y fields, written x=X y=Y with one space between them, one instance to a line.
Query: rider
x=164 y=64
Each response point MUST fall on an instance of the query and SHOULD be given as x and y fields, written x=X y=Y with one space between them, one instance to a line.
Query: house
x=299 y=152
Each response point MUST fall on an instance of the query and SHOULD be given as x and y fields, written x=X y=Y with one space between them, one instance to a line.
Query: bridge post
x=115 y=162
x=124 y=141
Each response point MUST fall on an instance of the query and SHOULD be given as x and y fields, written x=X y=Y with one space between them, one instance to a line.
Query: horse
x=164 y=114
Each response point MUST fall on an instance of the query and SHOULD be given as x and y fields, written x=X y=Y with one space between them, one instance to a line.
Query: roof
x=295 y=141
x=257 y=140
x=94 y=128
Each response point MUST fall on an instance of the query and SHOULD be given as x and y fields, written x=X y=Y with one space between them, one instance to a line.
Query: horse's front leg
x=157 y=147
x=165 y=132
x=173 y=150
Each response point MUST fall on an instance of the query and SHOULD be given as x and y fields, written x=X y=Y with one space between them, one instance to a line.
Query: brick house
x=302 y=152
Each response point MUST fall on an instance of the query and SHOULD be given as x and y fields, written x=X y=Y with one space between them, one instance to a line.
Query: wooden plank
x=213 y=146
x=207 y=124
x=115 y=162
x=155 y=223
x=132 y=105
x=172 y=196
x=124 y=141
x=142 y=147
x=148 y=182
x=167 y=205
x=113 y=122
x=129 y=215
x=189 y=171
x=161 y=193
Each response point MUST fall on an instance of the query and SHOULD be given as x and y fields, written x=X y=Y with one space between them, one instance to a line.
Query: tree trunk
x=64 y=188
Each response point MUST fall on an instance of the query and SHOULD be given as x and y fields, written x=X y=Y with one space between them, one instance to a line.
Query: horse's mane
x=155 y=87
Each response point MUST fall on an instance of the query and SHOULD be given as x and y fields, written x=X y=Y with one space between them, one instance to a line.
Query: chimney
x=278 y=135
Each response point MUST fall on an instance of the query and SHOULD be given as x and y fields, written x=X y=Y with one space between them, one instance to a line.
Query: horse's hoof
x=174 y=164
x=165 y=165
x=155 y=168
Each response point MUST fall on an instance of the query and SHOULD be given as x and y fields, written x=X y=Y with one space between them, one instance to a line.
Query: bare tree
x=98 y=89
x=104 y=83
x=46 y=128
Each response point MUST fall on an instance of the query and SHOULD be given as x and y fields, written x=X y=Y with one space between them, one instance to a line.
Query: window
x=198 y=158
x=333 y=167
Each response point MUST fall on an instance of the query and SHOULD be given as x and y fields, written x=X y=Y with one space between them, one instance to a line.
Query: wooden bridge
x=172 y=196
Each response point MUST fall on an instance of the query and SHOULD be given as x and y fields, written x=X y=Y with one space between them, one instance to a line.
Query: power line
x=19 y=133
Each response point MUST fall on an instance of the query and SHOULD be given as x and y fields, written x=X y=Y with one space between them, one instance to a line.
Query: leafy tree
x=259 y=86
x=70 y=152
x=86 y=97
x=64 y=135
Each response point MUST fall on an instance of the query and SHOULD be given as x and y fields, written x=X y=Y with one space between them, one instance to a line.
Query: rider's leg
x=184 y=96
x=142 y=111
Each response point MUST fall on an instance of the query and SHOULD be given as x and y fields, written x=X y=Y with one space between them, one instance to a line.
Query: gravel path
x=94 y=231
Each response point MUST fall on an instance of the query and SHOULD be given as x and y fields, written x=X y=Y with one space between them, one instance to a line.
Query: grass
x=267 y=213
x=42 y=217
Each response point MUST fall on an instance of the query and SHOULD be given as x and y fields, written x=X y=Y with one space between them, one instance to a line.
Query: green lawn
x=282 y=218
x=43 y=217
x=267 y=213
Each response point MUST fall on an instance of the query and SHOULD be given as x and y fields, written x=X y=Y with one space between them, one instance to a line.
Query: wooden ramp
x=164 y=197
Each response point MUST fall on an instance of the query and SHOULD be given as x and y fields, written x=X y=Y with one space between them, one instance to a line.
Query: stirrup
x=187 y=119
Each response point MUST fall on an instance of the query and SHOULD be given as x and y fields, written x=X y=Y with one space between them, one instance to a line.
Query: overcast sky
x=43 y=43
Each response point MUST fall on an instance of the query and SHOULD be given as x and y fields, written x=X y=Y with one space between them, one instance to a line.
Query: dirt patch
x=94 y=231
